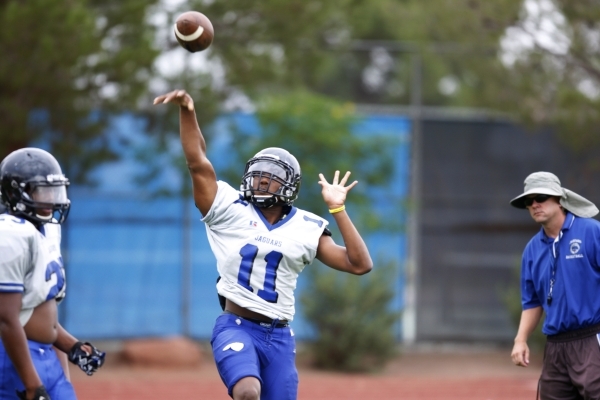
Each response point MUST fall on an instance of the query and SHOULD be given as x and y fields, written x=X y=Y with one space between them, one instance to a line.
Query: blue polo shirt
x=576 y=290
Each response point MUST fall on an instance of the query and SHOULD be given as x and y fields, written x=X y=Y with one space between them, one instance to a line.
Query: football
x=194 y=31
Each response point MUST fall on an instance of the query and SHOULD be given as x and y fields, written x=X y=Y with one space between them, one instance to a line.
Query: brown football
x=194 y=31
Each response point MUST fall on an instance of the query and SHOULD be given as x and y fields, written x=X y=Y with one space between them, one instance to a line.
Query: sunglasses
x=540 y=198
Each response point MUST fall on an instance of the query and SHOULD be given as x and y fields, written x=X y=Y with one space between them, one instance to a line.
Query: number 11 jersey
x=259 y=263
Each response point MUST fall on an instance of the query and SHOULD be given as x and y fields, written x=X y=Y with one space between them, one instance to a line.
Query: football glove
x=88 y=363
x=40 y=394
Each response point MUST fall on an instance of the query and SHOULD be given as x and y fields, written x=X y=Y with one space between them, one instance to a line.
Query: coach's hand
x=86 y=357
x=520 y=354
x=40 y=394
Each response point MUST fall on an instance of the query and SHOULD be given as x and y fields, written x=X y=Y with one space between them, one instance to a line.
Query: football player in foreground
x=34 y=347
x=261 y=243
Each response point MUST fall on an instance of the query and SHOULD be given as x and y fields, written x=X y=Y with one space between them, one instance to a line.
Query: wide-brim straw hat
x=548 y=183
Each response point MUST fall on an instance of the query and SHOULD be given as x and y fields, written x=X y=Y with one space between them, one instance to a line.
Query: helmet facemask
x=42 y=199
x=268 y=169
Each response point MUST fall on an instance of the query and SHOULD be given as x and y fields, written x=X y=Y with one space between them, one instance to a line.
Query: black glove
x=88 y=363
x=40 y=394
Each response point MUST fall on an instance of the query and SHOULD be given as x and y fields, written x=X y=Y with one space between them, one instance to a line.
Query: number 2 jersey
x=30 y=263
x=259 y=263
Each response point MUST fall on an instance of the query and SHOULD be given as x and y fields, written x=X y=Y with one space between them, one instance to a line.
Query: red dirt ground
x=434 y=374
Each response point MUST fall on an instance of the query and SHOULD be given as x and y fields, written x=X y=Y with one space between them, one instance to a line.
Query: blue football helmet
x=277 y=165
x=31 y=180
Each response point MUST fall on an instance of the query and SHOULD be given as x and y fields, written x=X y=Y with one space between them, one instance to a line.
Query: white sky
x=542 y=25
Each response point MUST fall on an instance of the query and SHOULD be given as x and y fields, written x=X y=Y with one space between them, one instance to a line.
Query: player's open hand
x=334 y=194
x=179 y=97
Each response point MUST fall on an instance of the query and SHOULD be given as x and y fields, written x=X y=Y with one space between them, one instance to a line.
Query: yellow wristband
x=337 y=210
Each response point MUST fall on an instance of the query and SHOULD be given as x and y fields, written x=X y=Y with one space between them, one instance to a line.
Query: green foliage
x=351 y=317
x=331 y=47
x=79 y=61
x=537 y=61
x=65 y=66
x=318 y=131
x=512 y=300
x=275 y=44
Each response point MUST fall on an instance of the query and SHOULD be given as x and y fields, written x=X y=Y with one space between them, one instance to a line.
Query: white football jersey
x=258 y=262
x=30 y=263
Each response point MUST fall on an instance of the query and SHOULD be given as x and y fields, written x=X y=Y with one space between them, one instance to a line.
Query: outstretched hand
x=179 y=97
x=334 y=194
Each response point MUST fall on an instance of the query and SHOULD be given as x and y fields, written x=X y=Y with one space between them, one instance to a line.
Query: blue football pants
x=242 y=348
x=48 y=367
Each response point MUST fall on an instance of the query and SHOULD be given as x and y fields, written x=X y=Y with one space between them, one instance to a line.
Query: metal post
x=409 y=320
x=186 y=267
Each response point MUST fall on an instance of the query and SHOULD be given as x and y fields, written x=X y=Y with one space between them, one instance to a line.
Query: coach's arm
x=530 y=318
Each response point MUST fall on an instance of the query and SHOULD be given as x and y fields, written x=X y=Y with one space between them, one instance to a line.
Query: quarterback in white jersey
x=261 y=243
x=259 y=262
x=34 y=347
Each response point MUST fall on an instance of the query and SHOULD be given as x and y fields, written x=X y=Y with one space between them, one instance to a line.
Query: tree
x=564 y=64
x=66 y=66
x=536 y=60
x=271 y=46
x=354 y=49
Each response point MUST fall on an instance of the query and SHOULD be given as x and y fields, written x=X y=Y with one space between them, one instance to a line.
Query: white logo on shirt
x=574 y=247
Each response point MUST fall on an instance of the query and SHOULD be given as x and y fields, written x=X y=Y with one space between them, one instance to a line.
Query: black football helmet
x=31 y=180
x=278 y=165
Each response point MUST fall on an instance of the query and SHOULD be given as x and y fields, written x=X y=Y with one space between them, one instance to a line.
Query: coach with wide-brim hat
x=549 y=184
x=560 y=276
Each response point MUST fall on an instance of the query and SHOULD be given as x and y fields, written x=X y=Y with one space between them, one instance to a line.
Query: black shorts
x=571 y=369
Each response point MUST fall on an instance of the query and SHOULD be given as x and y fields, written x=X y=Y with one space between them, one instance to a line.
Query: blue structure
x=140 y=267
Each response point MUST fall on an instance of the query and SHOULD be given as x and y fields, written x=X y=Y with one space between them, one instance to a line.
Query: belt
x=574 y=335
x=267 y=323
